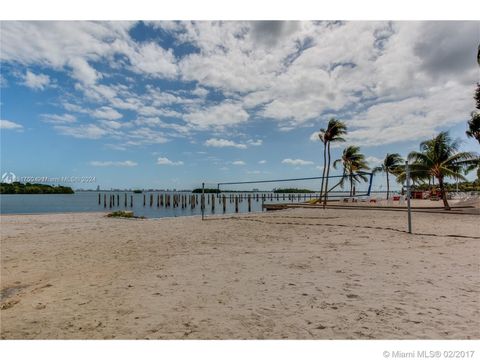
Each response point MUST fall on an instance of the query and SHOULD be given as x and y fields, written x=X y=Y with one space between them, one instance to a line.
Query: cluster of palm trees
x=352 y=160
x=437 y=160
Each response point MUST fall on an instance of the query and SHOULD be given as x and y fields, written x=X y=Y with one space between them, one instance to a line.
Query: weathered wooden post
x=249 y=203
x=131 y=200
x=110 y=201
x=144 y=199
x=151 y=200
x=224 y=203
x=125 y=199
x=118 y=199
x=236 y=203
x=158 y=200
x=104 y=200
x=202 y=204
x=99 y=199
x=213 y=202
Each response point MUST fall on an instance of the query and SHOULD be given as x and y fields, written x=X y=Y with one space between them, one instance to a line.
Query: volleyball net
x=253 y=195
x=357 y=184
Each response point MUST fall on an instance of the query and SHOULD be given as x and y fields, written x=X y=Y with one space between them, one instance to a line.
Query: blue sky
x=172 y=104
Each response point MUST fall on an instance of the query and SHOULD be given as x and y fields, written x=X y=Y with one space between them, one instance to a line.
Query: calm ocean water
x=87 y=201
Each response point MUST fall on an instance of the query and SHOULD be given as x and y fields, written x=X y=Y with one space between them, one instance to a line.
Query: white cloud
x=200 y=91
x=225 y=114
x=83 y=72
x=373 y=161
x=224 y=143
x=10 y=125
x=262 y=162
x=126 y=163
x=89 y=131
x=257 y=142
x=314 y=136
x=153 y=60
x=297 y=162
x=36 y=81
x=58 y=119
x=166 y=161
x=238 y=163
x=106 y=112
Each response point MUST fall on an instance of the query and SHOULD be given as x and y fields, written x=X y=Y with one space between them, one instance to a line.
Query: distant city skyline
x=175 y=104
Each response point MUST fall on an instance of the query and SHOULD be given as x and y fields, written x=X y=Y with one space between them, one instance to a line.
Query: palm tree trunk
x=324 y=166
x=351 y=182
x=388 y=186
x=443 y=193
x=326 y=179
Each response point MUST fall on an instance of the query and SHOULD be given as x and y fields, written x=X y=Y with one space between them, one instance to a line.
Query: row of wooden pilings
x=192 y=200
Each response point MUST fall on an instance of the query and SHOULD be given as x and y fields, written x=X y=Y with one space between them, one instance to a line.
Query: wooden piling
x=249 y=203
x=144 y=199
x=131 y=200
x=224 y=203
x=213 y=202
x=125 y=199
x=99 y=199
x=118 y=199
x=104 y=200
x=236 y=203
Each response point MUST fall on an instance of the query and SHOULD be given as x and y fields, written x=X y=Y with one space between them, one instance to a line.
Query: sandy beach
x=292 y=274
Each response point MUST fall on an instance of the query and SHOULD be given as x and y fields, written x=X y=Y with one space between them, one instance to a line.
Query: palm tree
x=474 y=127
x=439 y=157
x=390 y=165
x=321 y=136
x=353 y=164
x=334 y=133
x=474 y=123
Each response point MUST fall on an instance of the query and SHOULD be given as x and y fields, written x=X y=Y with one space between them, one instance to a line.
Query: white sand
x=295 y=274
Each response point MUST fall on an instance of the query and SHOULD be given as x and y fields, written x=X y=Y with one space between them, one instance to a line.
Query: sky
x=174 y=104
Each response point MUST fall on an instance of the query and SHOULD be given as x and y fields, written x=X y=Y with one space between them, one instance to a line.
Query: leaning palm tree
x=353 y=163
x=334 y=133
x=390 y=165
x=439 y=157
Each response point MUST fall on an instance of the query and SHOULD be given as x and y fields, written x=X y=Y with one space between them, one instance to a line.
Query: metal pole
x=203 y=201
x=407 y=170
